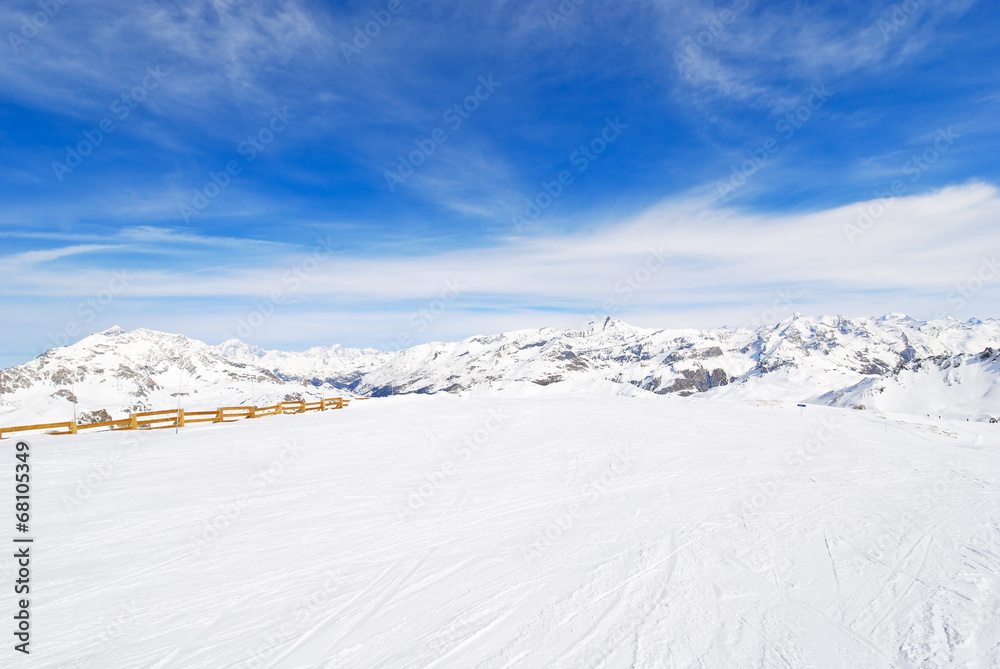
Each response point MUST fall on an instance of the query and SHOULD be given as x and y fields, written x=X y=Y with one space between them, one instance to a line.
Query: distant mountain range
x=893 y=363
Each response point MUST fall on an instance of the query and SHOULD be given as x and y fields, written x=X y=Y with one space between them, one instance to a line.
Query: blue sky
x=220 y=169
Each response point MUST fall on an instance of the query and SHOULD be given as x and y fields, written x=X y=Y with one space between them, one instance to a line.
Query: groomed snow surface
x=552 y=531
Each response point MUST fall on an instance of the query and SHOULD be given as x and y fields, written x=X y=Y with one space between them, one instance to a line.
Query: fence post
x=220 y=415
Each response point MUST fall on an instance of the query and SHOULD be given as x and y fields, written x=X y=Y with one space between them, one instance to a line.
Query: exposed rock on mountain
x=893 y=363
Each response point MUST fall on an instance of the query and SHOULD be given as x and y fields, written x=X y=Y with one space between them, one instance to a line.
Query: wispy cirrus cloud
x=713 y=258
x=762 y=53
x=221 y=53
x=20 y=261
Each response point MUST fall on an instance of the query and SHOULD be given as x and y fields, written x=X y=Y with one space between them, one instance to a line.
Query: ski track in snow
x=581 y=531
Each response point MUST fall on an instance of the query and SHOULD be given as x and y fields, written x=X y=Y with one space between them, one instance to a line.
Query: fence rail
x=177 y=418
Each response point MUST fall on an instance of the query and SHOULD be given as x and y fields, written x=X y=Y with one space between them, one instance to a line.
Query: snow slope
x=501 y=532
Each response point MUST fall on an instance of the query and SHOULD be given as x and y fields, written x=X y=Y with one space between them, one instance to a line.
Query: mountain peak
x=233 y=348
x=607 y=323
x=889 y=362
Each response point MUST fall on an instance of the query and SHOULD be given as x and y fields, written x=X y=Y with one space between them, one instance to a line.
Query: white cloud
x=744 y=57
x=24 y=261
x=722 y=264
x=215 y=55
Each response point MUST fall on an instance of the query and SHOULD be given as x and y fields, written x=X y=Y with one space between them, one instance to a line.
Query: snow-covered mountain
x=891 y=363
x=894 y=363
x=342 y=366
x=114 y=373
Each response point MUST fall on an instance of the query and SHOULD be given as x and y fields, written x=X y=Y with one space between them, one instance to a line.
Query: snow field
x=552 y=531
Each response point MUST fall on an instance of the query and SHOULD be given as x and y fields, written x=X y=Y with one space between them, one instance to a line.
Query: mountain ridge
x=893 y=363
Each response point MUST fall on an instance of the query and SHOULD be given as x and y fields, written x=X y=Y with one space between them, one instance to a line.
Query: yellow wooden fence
x=176 y=418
